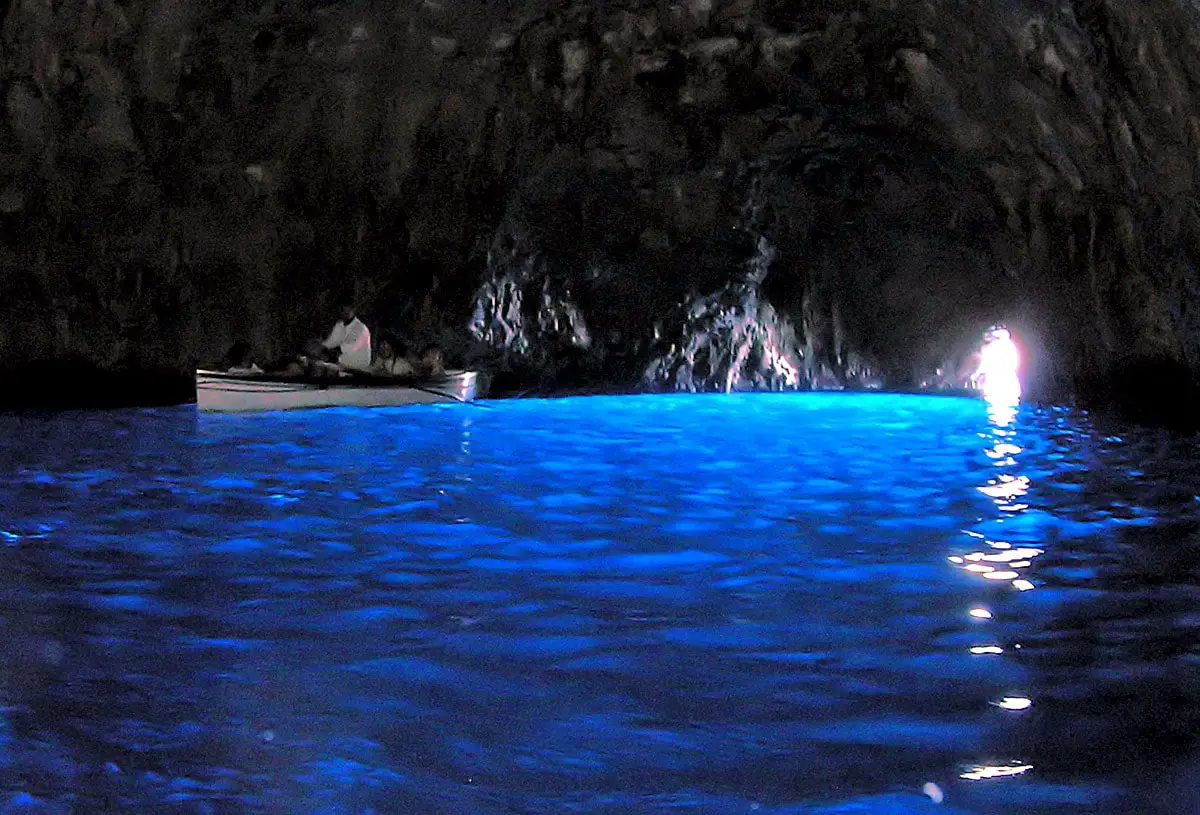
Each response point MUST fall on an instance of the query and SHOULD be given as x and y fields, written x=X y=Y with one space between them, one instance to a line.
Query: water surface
x=716 y=604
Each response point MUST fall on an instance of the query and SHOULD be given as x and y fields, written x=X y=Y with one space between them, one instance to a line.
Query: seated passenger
x=391 y=359
x=297 y=367
x=240 y=360
x=350 y=341
x=313 y=363
x=432 y=363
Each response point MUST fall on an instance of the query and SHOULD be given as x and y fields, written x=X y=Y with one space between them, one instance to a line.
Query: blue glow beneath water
x=710 y=604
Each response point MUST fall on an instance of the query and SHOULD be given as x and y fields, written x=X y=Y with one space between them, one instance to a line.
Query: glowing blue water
x=717 y=604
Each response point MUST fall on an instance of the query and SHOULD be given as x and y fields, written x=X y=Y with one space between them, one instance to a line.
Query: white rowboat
x=237 y=393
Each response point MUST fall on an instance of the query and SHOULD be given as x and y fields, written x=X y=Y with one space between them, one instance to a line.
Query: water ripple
x=710 y=604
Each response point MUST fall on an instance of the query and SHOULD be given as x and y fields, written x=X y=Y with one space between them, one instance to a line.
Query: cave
x=619 y=197
x=729 y=539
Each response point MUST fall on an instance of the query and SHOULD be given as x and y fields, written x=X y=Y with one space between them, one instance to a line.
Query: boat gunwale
x=224 y=392
x=354 y=381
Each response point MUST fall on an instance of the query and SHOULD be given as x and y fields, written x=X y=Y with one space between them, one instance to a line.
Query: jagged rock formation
x=177 y=174
x=732 y=341
x=736 y=340
x=519 y=312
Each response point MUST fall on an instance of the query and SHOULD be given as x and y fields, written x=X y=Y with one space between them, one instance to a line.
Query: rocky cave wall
x=698 y=194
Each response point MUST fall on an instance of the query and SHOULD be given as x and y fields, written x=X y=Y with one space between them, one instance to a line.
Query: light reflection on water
x=707 y=604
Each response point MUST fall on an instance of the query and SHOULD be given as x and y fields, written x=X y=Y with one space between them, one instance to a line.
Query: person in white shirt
x=351 y=341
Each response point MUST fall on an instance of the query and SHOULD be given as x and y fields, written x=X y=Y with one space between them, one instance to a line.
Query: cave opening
x=997 y=374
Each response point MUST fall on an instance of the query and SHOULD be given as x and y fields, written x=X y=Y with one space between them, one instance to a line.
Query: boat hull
x=219 y=392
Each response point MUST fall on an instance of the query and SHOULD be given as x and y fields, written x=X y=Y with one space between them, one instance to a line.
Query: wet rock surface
x=178 y=175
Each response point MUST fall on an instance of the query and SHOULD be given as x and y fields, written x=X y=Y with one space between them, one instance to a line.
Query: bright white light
x=1013 y=703
x=999 y=362
x=979 y=773
x=980 y=613
x=1008 y=487
x=1002 y=409
x=999 y=353
x=1022 y=585
x=986 y=649
x=1001 y=575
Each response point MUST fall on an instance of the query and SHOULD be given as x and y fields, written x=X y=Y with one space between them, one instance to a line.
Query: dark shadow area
x=1118 y=688
x=73 y=384
x=1156 y=392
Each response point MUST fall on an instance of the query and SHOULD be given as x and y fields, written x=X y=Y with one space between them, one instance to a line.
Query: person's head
x=433 y=358
x=239 y=355
x=346 y=311
x=389 y=346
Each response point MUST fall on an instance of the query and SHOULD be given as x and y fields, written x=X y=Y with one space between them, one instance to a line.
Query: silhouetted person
x=432 y=362
x=240 y=360
x=391 y=358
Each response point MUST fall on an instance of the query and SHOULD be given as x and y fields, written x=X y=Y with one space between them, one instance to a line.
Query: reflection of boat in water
x=235 y=393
